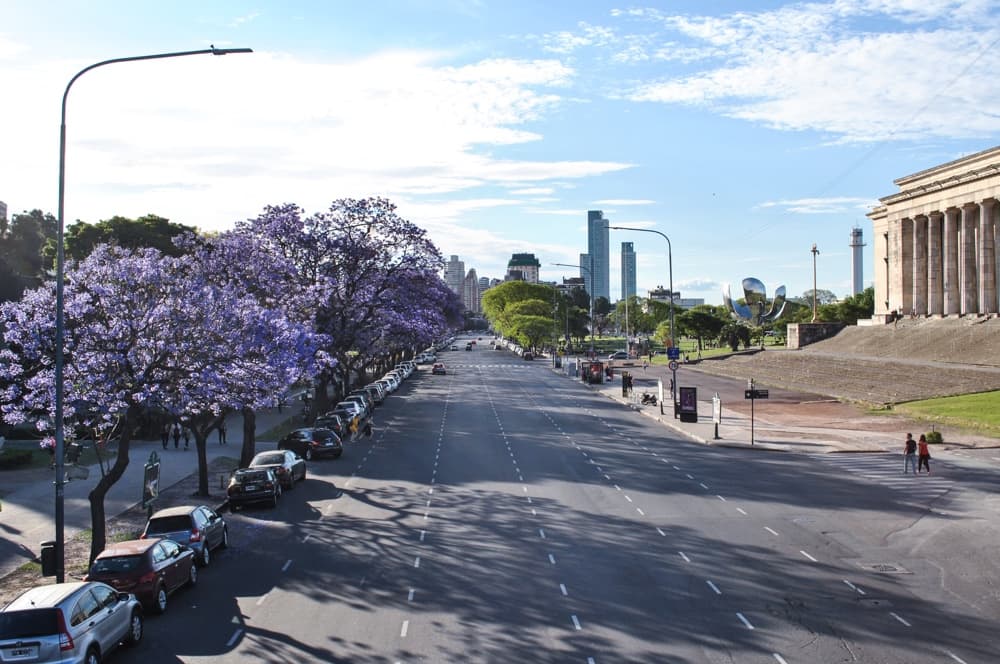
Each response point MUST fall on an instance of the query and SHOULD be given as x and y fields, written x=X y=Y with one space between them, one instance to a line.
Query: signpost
x=752 y=393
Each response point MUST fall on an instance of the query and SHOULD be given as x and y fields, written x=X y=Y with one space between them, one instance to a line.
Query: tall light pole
x=670 y=270
x=60 y=276
x=815 y=252
x=582 y=267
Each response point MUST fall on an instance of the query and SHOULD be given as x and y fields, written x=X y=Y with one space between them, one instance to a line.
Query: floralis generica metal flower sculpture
x=755 y=296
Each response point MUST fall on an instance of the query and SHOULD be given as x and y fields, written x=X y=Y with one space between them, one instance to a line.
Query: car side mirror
x=123 y=597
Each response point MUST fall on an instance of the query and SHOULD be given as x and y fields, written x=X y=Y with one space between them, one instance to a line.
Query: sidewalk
x=28 y=496
x=774 y=428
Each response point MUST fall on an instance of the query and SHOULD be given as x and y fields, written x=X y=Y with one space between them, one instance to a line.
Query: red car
x=150 y=569
x=438 y=370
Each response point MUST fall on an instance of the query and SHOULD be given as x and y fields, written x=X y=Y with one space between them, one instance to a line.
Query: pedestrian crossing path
x=887 y=470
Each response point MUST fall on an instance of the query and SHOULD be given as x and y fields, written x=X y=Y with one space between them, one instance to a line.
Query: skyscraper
x=599 y=250
x=470 y=291
x=454 y=274
x=628 y=270
x=585 y=268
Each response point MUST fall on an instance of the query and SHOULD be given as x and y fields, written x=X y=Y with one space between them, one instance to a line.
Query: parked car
x=151 y=569
x=363 y=398
x=438 y=369
x=253 y=485
x=288 y=466
x=388 y=384
x=334 y=423
x=528 y=356
x=454 y=347
x=619 y=355
x=195 y=526
x=79 y=621
x=377 y=393
x=468 y=346
x=310 y=443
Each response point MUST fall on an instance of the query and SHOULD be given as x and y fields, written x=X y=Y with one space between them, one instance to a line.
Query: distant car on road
x=196 y=526
x=619 y=355
x=439 y=370
x=253 y=485
x=56 y=623
x=288 y=466
x=150 y=569
x=454 y=347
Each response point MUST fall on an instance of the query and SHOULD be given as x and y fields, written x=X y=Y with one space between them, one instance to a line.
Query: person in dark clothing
x=165 y=435
x=187 y=437
x=923 y=454
x=222 y=432
x=177 y=435
x=910 y=455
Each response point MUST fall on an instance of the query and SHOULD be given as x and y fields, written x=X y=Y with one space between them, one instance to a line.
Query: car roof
x=180 y=510
x=44 y=596
x=129 y=547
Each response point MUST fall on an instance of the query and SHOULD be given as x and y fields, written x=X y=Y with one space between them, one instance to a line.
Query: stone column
x=935 y=280
x=919 y=301
x=987 y=259
x=970 y=293
x=949 y=242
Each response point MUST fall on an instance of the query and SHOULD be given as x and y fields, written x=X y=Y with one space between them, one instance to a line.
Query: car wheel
x=134 y=629
x=309 y=454
x=206 y=556
x=303 y=478
x=193 y=576
x=224 y=544
x=274 y=499
x=160 y=599
x=93 y=656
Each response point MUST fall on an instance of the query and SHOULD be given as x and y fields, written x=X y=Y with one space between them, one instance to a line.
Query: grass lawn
x=978 y=412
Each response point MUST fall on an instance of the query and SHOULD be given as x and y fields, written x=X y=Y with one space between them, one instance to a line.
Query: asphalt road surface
x=502 y=513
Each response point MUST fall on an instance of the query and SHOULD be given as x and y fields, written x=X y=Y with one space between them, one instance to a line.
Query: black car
x=312 y=442
x=287 y=466
x=335 y=423
x=253 y=485
x=196 y=526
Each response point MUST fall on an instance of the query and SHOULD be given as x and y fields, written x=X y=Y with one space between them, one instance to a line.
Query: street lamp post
x=581 y=267
x=60 y=275
x=670 y=269
x=815 y=252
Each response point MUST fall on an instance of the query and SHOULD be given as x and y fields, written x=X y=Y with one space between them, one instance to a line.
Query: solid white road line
x=617 y=488
x=541 y=533
x=232 y=639
x=404 y=629
x=771 y=530
x=576 y=622
x=955 y=657
x=780 y=659
x=854 y=587
x=897 y=617
x=627 y=498
x=689 y=476
x=562 y=589
x=744 y=620
x=808 y=556
x=686 y=559
x=552 y=559
x=639 y=510
x=660 y=530
x=741 y=511
x=714 y=587
x=720 y=498
x=703 y=486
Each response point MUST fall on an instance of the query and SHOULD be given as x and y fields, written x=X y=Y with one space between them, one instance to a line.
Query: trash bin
x=48 y=556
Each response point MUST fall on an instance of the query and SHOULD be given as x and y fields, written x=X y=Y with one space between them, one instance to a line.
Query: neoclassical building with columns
x=935 y=241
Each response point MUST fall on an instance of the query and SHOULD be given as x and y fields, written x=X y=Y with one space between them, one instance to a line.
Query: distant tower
x=628 y=270
x=856 y=263
x=454 y=274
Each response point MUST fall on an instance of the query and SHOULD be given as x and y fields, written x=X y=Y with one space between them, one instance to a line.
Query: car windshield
x=116 y=564
x=168 y=524
x=267 y=459
x=28 y=624
x=249 y=478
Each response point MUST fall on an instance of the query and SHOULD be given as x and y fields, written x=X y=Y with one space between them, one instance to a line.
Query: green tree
x=701 y=322
x=23 y=262
x=531 y=331
x=147 y=231
x=498 y=300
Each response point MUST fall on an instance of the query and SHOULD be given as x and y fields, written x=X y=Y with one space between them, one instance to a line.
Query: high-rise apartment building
x=525 y=264
x=454 y=274
x=470 y=292
x=628 y=270
x=599 y=251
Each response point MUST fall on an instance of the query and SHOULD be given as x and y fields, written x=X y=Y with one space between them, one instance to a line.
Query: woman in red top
x=923 y=454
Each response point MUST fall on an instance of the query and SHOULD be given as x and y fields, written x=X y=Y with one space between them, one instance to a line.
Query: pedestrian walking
x=644 y=365
x=187 y=438
x=165 y=435
x=910 y=455
x=222 y=432
x=177 y=435
x=923 y=454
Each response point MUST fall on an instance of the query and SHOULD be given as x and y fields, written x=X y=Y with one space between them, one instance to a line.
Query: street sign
x=674 y=353
x=672 y=365
x=755 y=394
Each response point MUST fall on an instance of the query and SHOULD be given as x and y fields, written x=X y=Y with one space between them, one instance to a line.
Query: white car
x=387 y=385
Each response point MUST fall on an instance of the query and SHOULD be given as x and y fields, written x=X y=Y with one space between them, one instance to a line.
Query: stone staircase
x=916 y=359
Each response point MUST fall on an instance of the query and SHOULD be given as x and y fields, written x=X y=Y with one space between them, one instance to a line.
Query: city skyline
x=496 y=126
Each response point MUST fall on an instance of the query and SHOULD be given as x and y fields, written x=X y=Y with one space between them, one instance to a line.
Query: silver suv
x=68 y=623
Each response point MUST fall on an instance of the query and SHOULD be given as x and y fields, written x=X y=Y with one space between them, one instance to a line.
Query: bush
x=934 y=437
x=14 y=459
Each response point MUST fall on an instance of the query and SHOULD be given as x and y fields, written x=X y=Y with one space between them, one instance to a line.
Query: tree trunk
x=98 y=527
x=249 y=437
x=200 y=440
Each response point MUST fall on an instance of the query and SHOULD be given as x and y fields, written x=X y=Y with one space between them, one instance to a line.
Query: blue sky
x=745 y=131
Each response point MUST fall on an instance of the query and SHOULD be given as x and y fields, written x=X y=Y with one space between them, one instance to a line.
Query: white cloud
x=832 y=205
x=624 y=201
x=533 y=191
x=565 y=42
x=246 y=18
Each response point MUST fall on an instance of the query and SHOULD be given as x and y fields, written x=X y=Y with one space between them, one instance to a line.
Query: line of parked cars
x=84 y=621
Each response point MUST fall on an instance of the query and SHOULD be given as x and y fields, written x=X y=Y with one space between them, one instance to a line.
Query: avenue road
x=503 y=513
